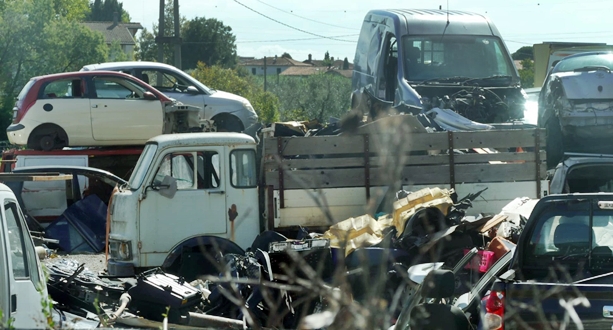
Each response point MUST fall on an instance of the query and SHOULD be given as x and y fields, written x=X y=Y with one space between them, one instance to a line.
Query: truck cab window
x=208 y=170
x=242 y=169
x=180 y=166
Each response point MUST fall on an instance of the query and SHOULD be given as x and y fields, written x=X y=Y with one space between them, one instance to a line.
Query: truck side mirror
x=168 y=187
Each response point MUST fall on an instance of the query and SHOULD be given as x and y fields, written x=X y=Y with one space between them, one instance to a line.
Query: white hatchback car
x=229 y=112
x=95 y=109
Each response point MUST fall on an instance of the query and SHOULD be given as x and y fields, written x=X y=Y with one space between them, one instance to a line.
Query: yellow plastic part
x=404 y=208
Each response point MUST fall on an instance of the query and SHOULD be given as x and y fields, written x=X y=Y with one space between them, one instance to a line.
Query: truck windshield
x=145 y=160
x=569 y=231
x=436 y=57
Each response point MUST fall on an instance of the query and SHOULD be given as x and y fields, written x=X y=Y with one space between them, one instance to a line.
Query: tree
x=104 y=11
x=319 y=96
x=526 y=73
x=327 y=61
x=40 y=37
x=116 y=54
x=345 y=64
x=523 y=53
x=286 y=55
x=209 y=41
x=266 y=104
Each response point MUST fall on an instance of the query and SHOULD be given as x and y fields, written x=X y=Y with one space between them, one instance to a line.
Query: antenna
x=447 y=12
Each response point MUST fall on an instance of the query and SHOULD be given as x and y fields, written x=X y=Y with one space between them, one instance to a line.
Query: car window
x=64 y=88
x=18 y=256
x=242 y=168
x=108 y=87
x=165 y=81
x=578 y=62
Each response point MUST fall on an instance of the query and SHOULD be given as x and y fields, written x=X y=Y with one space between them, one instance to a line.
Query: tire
x=228 y=124
x=555 y=142
x=47 y=142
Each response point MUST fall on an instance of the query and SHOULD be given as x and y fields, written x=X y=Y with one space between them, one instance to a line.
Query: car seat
x=573 y=238
x=145 y=78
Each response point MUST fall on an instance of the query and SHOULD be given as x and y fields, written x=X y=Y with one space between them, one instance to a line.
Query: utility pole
x=160 y=36
x=265 y=73
x=177 y=35
x=175 y=40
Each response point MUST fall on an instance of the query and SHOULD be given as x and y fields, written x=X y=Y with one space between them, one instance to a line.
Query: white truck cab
x=22 y=284
x=193 y=190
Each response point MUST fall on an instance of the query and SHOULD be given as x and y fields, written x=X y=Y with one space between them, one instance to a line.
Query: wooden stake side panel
x=421 y=158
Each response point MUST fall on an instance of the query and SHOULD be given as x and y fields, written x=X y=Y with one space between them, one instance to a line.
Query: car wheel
x=47 y=142
x=228 y=124
x=555 y=142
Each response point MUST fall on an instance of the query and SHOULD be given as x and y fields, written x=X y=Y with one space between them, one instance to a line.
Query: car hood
x=591 y=85
x=223 y=98
x=104 y=176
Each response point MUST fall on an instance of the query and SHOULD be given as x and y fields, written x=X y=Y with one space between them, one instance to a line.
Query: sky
x=272 y=27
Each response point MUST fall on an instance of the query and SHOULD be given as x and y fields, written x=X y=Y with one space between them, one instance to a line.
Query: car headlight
x=120 y=250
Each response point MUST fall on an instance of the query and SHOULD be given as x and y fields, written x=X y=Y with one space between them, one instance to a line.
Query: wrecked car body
x=576 y=105
x=428 y=59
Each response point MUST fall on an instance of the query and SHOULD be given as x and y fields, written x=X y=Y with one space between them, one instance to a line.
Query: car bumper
x=17 y=134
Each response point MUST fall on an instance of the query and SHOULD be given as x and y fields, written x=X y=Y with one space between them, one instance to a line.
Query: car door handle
x=94 y=106
x=218 y=192
x=13 y=303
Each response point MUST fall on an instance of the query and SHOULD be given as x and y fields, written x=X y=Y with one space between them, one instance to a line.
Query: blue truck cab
x=423 y=59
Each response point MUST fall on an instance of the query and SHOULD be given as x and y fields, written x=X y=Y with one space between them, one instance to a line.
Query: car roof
x=127 y=64
x=81 y=74
x=216 y=138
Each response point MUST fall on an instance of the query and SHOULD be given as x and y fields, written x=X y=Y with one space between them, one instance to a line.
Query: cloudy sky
x=271 y=27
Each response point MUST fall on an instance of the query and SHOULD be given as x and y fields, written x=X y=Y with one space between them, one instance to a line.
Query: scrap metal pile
x=280 y=281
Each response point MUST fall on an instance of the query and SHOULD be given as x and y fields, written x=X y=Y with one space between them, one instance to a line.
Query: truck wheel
x=555 y=142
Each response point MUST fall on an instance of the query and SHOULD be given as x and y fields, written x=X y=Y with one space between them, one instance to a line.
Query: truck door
x=21 y=265
x=198 y=207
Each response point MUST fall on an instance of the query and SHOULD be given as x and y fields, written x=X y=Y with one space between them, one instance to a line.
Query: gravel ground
x=94 y=262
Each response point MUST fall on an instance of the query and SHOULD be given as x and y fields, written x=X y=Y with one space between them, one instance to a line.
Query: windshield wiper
x=490 y=78
x=593 y=68
x=454 y=79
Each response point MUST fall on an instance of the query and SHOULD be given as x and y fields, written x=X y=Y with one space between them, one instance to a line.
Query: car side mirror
x=192 y=90
x=168 y=187
x=149 y=96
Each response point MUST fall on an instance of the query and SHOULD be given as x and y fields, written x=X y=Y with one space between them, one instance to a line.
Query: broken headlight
x=120 y=250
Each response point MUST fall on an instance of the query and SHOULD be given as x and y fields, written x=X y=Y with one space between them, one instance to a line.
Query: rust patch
x=232 y=213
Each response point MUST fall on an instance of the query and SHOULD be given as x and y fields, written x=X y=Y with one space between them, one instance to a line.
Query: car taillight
x=494 y=311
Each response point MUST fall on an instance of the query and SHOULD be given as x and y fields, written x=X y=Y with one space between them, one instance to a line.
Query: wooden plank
x=441 y=159
x=5 y=177
x=352 y=144
x=420 y=174
x=497 y=139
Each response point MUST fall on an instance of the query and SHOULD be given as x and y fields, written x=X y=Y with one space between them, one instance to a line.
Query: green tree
x=266 y=104
x=319 y=96
x=327 y=61
x=72 y=10
x=146 y=49
x=116 y=54
x=286 y=55
x=526 y=73
x=523 y=53
x=209 y=41
x=104 y=11
x=345 y=64
x=40 y=37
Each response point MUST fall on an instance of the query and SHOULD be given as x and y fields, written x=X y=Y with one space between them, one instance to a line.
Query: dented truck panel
x=396 y=48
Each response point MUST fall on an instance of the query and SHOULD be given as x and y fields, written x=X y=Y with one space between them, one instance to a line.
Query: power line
x=296 y=39
x=306 y=18
x=291 y=27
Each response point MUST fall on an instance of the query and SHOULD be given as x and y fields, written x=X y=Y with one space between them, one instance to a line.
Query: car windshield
x=433 y=57
x=584 y=61
x=570 y=230
x=146 y=157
